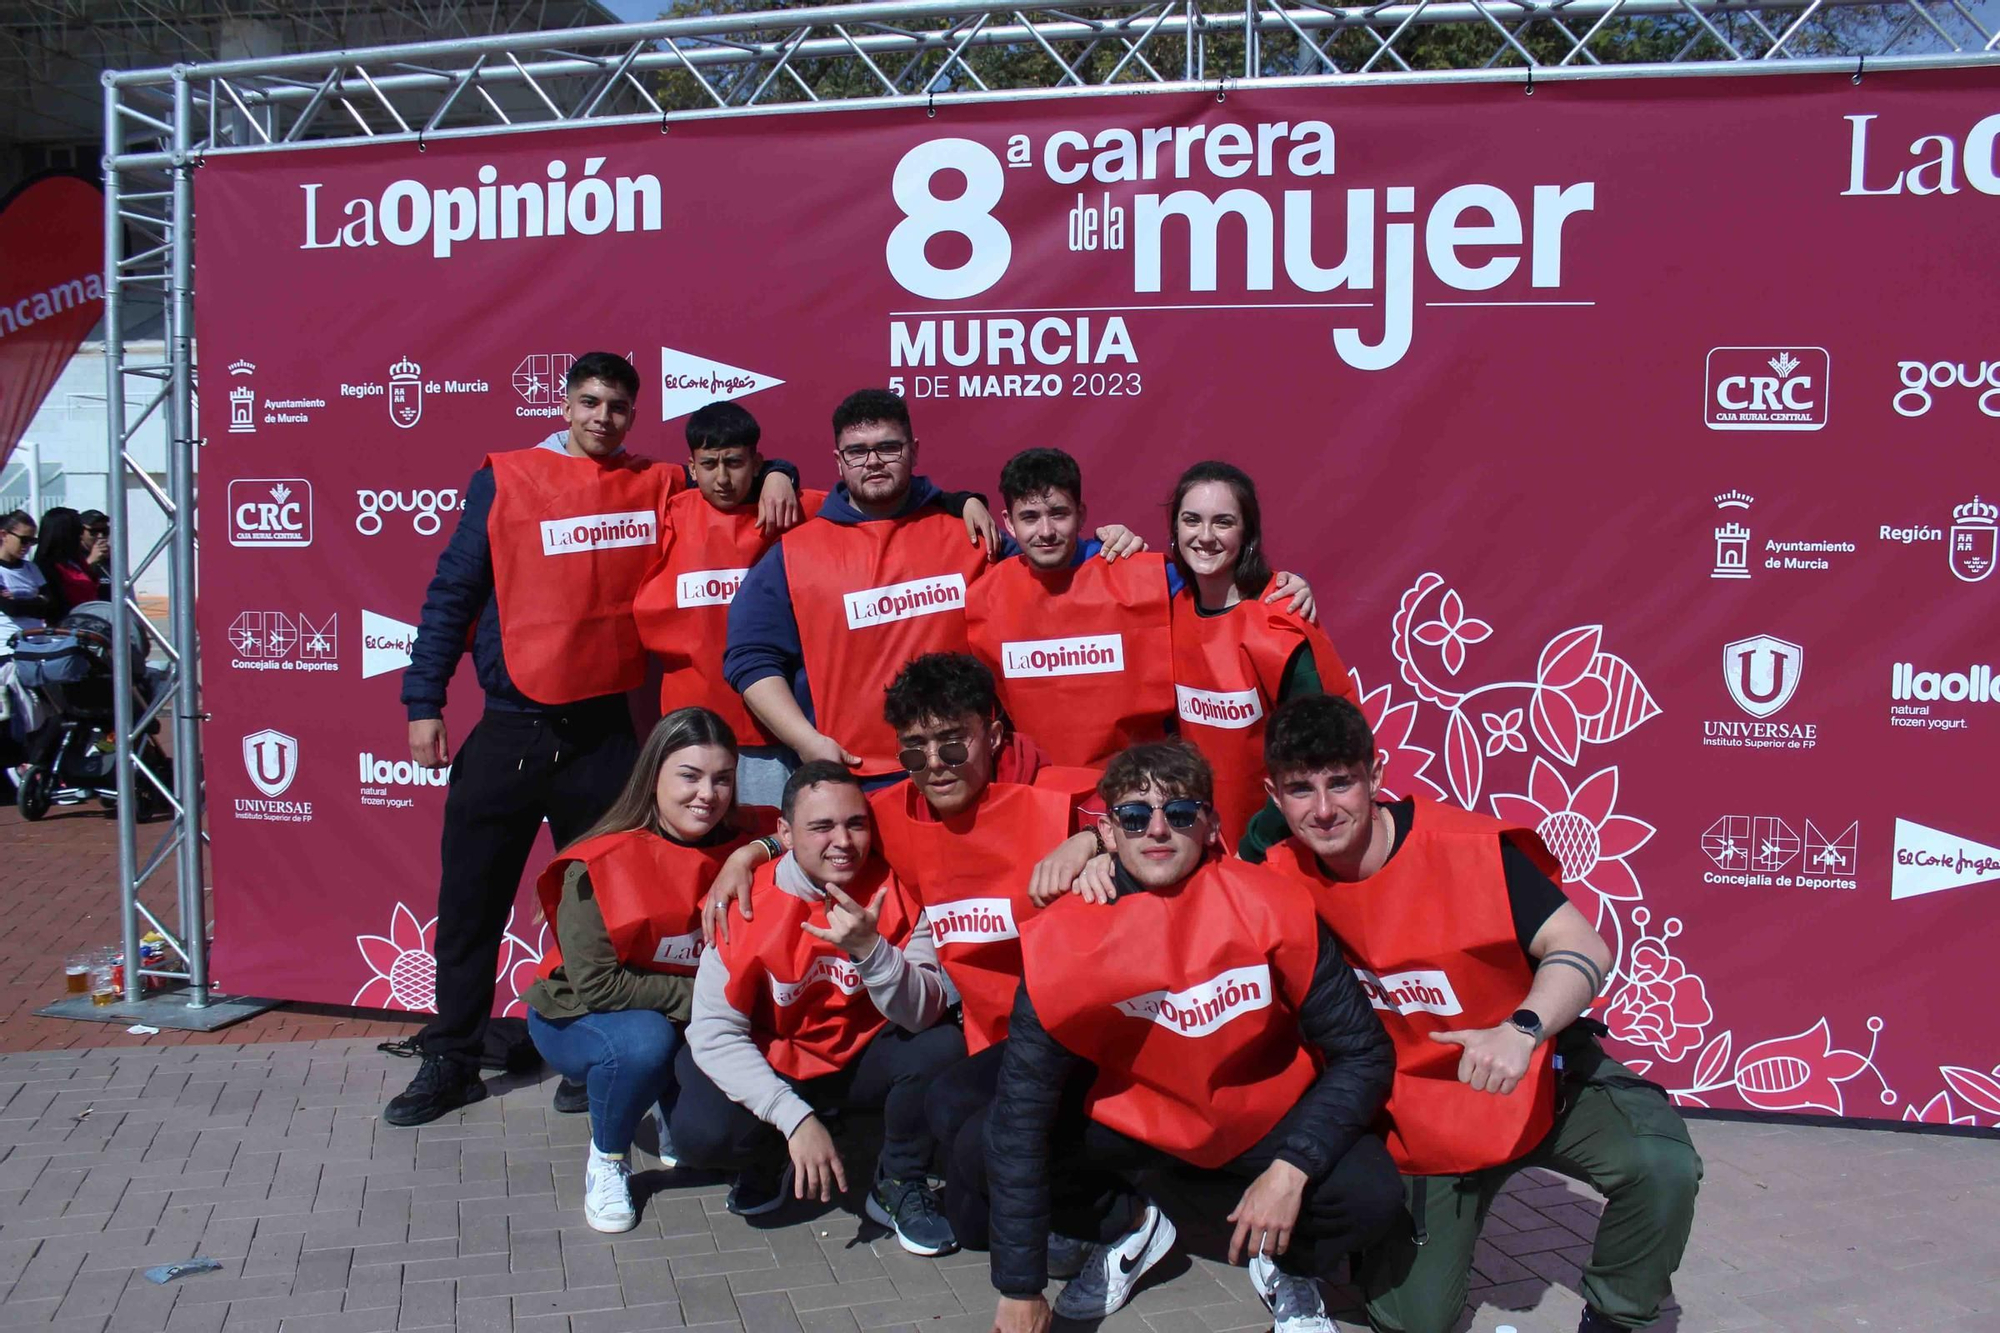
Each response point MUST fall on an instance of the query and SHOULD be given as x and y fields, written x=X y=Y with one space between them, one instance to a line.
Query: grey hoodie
x=906 y=985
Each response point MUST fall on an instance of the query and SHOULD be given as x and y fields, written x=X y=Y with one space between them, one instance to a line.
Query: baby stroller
x=73 y=757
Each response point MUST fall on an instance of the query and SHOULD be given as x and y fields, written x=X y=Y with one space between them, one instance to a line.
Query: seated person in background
x=1201 y=1023
x=1480 y=968
x=615 y=989
x=830 y=998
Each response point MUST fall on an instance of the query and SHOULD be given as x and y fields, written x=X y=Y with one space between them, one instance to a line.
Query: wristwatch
x=1526 y=1021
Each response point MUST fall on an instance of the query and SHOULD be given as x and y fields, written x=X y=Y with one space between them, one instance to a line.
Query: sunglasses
x=1137 y=816
x=951 y=754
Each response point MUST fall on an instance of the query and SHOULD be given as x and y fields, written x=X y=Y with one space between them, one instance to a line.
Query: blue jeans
x=625 y=1057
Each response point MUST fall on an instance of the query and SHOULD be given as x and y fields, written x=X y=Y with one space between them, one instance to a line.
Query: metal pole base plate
x=166 y=1009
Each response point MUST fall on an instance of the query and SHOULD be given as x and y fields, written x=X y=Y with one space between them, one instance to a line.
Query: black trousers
x=512 y=771
x=957 y=1104
x=1092 y=1196
x=890 y=1074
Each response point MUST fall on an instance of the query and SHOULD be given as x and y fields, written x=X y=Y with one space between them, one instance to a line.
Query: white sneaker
x=607 y=1192
x=1109 y=1272
x=1294 y=1302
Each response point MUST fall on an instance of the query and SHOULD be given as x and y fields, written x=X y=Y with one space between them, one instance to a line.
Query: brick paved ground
x=58 y=894
x=271 y=1158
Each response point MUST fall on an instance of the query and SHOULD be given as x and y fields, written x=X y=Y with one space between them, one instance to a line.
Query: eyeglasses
x=918 y=757
x=1137 y=816
x=888 y=451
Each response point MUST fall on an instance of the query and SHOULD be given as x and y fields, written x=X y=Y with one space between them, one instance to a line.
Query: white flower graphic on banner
x=520 y=961
x=1403 y=762
x=405 y=971
x=1661 y=1005
x=1453 y=631
x=1581 y=828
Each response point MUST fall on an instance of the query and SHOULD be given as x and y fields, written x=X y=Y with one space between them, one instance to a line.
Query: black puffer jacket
x=1335 y=1019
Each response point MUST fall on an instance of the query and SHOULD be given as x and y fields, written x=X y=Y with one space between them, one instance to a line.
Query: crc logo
x=271 y=758
x=708 y=587
x=1919 y=378
x=423 y=506
x=1762 y=673
x=1766 y=388
x=270 y=511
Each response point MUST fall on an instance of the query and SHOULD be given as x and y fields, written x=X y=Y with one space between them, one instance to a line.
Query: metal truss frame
x=160 y=124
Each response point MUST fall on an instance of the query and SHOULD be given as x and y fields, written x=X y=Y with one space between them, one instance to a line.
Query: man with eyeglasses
x=1203 y=1024
x=26 y=602
x=877 y=577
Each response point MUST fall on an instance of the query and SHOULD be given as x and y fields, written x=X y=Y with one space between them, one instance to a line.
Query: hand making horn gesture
x=849 y=925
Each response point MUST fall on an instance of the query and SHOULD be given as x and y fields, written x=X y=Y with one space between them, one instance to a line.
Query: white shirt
x=22 y=580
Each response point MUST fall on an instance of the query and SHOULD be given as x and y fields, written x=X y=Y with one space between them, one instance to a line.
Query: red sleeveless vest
x=1227 y=673
x=649 y=891
x=1083 y=657
x=809 y=1013
x=571 y=539
x=868 y=597
x=1187 y=1002
x=683 y=605
x=1431 y=936
x=969 y=873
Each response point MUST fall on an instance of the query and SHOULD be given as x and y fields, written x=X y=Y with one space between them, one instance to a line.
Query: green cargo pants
x=1615 y=1132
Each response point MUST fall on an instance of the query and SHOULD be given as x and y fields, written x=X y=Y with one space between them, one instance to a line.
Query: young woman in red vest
x=616 y=985
x=1236 y=656
x=1202 y=1024
x=1480 y=967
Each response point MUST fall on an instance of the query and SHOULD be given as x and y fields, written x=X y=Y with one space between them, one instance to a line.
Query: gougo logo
x=1920 y=377
x=423 y=506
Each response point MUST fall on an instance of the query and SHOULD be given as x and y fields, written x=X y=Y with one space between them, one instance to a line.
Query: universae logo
x=1234 y=709
x=973 y=921
x=1206 y=1005
x=1083 y=655
x=598 y=532
x=905 y=601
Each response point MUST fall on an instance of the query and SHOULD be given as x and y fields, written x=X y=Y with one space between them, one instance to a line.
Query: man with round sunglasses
x=1202 y=1024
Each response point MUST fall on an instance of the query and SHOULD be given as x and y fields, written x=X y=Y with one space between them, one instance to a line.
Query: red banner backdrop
x=51 y=291
x=1637 y=437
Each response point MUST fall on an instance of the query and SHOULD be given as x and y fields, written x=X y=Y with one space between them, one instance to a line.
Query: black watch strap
x=1528 y=1021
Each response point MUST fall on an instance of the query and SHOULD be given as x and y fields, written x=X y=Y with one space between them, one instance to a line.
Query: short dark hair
x=1172 y=768
x=1252 y=570
x=871 y=405
x=723 y=426
x=939 y=686
x=812 y=774
x=13 y=518
x=1033 y=471
x=610 y=367
x=1315 y=733
x=94 y=519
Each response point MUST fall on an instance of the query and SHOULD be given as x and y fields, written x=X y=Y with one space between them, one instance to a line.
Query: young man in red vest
x=1480 y=968
x=1203 y=1023
x=714 y=534
x=1082 y=648
x=538 y=579
x=823 y=621
x=830 y=998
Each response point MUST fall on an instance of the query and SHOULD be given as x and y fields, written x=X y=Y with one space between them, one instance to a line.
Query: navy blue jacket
x=461 y=598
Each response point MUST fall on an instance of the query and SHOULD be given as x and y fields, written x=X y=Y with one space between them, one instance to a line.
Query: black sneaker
x=440 y=1087
x=572 y=1098
x=758 y=1192
x=1593 y=1322
x=910 y=1209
